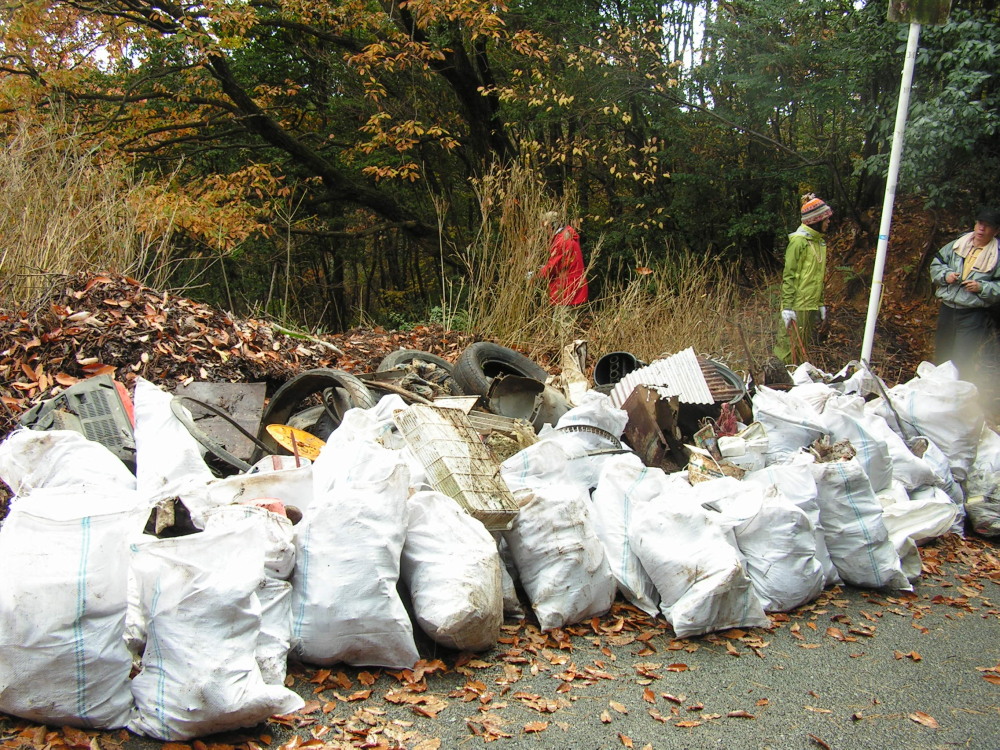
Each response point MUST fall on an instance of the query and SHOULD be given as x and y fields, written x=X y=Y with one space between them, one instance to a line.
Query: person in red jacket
x=564 y=272
x=564 y=269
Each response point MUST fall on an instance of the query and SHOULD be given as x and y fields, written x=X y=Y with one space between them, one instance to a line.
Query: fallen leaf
x=535 y=726
x=677 y=667
x=994 y=678
x=605 y=717
x=625 y=740
x=818 y=741
x=740 y=715
x=818 y=710
x=688 y=723
x=618 y=707
x=926 y=719
x=649 y=696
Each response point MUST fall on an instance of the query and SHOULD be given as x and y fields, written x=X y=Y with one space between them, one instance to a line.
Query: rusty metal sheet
x=244 y=402
x=652 y=430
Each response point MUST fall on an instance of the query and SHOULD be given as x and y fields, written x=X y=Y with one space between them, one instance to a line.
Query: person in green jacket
x=803 y=279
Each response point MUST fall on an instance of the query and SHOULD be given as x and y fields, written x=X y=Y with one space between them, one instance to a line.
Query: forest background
x=333 y=164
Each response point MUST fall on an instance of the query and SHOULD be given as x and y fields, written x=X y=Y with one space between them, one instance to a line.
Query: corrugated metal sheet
x=677 y=375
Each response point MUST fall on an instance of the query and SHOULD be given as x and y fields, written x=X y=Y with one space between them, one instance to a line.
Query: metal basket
x=457 y=463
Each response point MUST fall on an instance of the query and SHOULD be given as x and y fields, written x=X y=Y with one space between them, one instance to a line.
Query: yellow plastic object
x=299 y=442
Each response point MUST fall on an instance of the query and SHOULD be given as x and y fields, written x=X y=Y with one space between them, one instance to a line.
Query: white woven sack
x=345 y=607
x=910 y=469
x=292 y=486
x=845 y=419
x=451 y=567
x=776 y=540
x=168 y=460
x=702 y=584
x=199 y=671
x=274 y=532
x=795 y=481
x=856 y=536
x=624 y=482
x=791 y=423
x=30 y=459
x=814 y=394
x=988 y=451
x=559 y=558
x=274 y=640
x=64 y=556
x=553 y=542
x=941 y=407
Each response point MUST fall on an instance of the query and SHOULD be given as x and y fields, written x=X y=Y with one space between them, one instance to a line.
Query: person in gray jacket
x=966 y=277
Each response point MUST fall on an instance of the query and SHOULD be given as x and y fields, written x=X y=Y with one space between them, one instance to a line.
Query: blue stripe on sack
x=627 y=547
x=161 y=679
x=863 y=525
x=302 y=554
x=79 y=650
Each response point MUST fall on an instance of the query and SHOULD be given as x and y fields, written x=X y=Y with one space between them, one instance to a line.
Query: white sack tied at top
x=345 y=607
x=845 y=419
x=624 y=484
x=168 y=460
x=775 y=538
x=795 y=481
x=452 y=570
x=553 y=541
x=938 y=405
x=200 y=673
x=374 y=426
x=31 y=459
x=64 y=555
x=791 y=423
x=698 y=574
x=856 y=536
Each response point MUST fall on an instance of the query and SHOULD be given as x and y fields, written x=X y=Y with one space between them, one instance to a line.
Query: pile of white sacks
x=210 y=618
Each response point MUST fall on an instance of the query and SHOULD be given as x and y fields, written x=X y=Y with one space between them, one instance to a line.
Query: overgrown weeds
x=683 y=300
x=61 y=211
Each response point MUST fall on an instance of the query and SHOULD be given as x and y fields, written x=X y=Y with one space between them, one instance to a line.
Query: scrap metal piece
x=243 y=402
x=652 y=430
x=681 y=374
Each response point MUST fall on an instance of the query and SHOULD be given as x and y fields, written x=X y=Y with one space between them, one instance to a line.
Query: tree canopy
x=333 y=148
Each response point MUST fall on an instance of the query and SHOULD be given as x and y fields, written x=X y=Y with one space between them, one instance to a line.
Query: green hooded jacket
x=805 y=270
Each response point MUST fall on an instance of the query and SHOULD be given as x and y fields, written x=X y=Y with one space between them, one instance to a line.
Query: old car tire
x=402 y=357
x=475 y=369
x=290 y=395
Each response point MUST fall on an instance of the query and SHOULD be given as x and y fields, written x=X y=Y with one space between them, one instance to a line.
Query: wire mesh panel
x=457 y=462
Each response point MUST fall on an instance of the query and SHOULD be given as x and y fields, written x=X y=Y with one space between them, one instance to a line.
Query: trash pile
x=165 y=567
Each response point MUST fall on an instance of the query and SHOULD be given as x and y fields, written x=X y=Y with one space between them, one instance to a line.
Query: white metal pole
x=875 y=299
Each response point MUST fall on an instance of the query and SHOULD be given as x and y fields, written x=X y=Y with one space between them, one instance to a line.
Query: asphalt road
x=854 y=670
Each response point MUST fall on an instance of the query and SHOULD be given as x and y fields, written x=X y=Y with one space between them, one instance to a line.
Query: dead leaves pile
x=91 y=325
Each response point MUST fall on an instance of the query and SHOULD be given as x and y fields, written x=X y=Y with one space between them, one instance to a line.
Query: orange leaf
x=649 y=696
x=740 y=715
x=994 y=678
x=618 y=707
x=66 y=380
x=926 y=719
x=625 y=740
x=98 y=369
x=836 y=633
x=688 y=724
x=677 y=667
x=536 y=726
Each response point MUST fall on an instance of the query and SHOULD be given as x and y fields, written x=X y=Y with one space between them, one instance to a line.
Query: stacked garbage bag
x=168 y=601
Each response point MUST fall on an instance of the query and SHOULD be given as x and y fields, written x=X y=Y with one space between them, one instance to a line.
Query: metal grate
x=457 y=462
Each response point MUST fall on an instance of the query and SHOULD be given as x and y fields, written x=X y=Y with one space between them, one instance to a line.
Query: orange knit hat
x=814 y=210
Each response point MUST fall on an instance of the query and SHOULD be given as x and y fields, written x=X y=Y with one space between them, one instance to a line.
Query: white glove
x=529 y=275
x=788 y=316
x=822 y=312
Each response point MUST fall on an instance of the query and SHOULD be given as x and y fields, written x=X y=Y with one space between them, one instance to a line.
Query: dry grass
x=61 y=211
x=685 y=301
